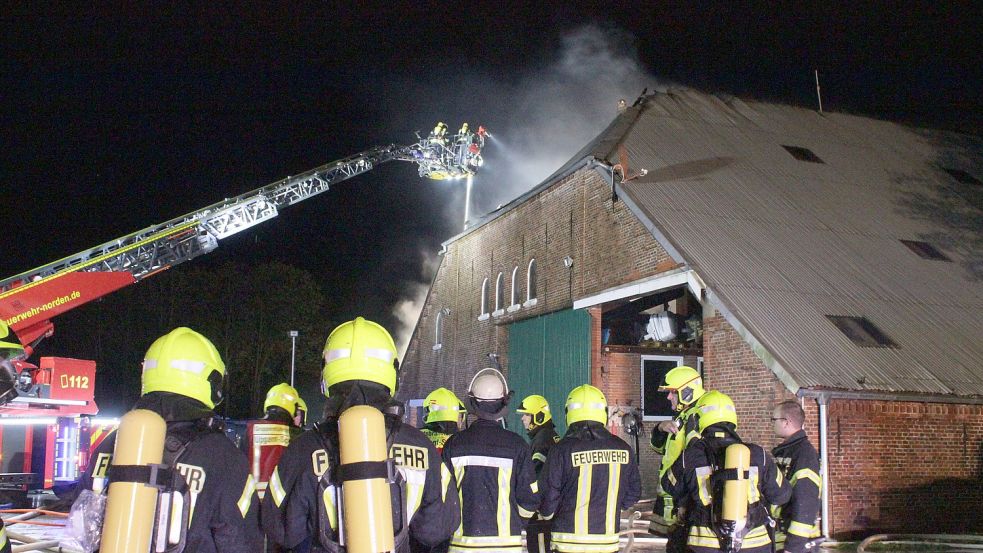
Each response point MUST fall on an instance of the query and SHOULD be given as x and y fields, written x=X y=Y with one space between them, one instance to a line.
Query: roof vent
x=962 y=176
x=802 y=154
x=925 y=250
x=862 y=332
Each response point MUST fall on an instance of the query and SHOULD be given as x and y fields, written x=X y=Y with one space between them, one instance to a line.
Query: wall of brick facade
x=905 y=466
x=574 y=217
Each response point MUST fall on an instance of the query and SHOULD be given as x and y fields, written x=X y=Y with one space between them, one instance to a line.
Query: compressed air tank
x=368 y=519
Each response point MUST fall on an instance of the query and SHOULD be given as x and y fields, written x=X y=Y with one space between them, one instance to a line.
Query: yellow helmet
x=586 y=403
x=442 y=405
x=186 y=363
x=538 y=408
x=284 y=396
x=9 y=343
x=302 y=410
x=716 y=407
x=686 y=382
x=359 y=350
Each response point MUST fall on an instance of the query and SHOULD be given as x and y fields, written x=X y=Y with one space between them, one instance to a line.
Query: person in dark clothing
x=495 y=476
x=182 y=382
x=267 y=438
x=590 y=476
x=697 y=480
x=444 y=413
x=799 y=462
x=301 y=507
x=538 y=421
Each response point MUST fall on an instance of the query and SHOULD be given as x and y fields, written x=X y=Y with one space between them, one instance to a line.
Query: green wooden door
x=549 y=356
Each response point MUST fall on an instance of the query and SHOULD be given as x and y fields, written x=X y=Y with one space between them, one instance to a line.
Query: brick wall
x=575 y=217
x=905 y=466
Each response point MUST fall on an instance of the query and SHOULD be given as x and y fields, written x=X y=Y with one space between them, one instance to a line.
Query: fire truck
x=42 y=434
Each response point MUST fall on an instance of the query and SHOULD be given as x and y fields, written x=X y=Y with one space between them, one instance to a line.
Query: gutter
x=817 y=393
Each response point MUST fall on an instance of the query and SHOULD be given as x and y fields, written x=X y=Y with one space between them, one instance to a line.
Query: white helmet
x=488 y=385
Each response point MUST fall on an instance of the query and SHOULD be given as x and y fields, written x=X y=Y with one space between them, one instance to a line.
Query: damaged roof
x=793 y=218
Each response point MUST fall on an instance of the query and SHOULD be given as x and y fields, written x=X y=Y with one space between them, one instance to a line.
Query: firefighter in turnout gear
x=799 y=462
x=538 y=420
x=301 y=508
x=699 y=479
x=444 y=414
x=589 y=477
x=182 y=382
x=685 y=388
x=267 y=438
x=495 y=476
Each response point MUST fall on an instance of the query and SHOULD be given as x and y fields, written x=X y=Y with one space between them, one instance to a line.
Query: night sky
x=119 y=118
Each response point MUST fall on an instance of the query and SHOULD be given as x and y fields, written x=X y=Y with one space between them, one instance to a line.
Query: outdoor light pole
x=293 y=353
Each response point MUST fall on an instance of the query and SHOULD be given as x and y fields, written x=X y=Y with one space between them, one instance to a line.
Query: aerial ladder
x=29 y=300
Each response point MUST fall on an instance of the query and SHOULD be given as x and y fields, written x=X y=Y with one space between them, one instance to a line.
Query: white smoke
x=555 y=111
x=408 y=308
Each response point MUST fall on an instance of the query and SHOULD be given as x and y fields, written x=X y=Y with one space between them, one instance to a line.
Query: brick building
x=826 y=257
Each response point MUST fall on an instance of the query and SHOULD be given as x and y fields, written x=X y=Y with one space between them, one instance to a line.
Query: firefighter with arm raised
x=307 y=505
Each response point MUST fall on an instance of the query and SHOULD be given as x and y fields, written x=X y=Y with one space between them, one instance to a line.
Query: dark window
x=962 y=176
x=499 y=291
x=484 y=297
x=925 y=250
x=802 y=154
x=654 y=402
x=862 y=332
x=531 y=281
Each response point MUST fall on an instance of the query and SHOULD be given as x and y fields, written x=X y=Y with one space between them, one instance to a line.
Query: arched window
x=484 y=297
x=514 y=294
x=438 y=335
x=531 y=283
x=499 y=293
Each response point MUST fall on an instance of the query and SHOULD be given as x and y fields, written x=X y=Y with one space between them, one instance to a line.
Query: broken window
x=668 y=318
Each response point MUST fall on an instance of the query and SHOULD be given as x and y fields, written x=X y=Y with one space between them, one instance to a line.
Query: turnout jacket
x=266 y=439
x=300 y=507
x=438 y=432
x=670 y=447
x=224 y=516
x=497 y=487
x=797 y=520
x=4 y=542
x=541 y=440
x=590 y=475
x=694 y=486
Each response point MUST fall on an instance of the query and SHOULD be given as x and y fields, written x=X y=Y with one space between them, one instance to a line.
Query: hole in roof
x=925 y=250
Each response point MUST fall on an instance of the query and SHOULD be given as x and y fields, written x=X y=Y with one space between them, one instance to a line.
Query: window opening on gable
x=802 y=154
x=438 y=340
x=925 y=250
x=531 y=281
x=862 y=331
x=484 y=297
x=962 y=176
x=514 y=293
x=499 y=294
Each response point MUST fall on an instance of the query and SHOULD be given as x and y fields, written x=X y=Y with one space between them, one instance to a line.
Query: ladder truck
x=64 y=387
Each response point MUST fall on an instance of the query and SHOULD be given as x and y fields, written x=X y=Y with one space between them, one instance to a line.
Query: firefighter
x=495 y=476
x=300 y=419
x=266 y=438
x=799 y=463
x=685 y=388
x=538 y=421
x=301 y=506
x=182 y=382
x=697 y=481
x=589 y=477
x=444 y=414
